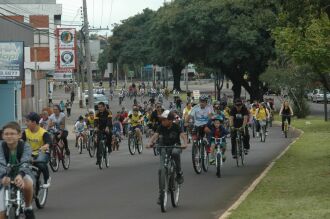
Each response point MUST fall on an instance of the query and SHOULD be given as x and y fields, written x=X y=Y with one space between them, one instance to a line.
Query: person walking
x=62 y=106
x=72 y=95
x=68 y=106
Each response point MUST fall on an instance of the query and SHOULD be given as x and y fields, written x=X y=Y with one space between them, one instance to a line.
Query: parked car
x=309 y=95
x=318 y=96
x=97 y=99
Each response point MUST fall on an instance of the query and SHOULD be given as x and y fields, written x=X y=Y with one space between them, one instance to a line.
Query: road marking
x=254 y=184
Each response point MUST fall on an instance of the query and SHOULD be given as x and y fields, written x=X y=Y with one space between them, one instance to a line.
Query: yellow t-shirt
x=261 y=114
x=186 y=112
x=90 y=121
x=35 y=139
x=226 y=112
x=135 y=119
x=253 y=112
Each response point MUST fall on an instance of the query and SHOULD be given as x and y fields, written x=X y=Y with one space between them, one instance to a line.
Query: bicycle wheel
x=66 y=160
x=91 y=147
x=131 y=144
x=241 y=153
x=175 y=190
x=54 y=161
x=41 y=193
x=163 y=188
x=101 y=147
x=156 y=151
x=196 y=157
x=264 y=133
x=80 y=144
x=139 y=146
x=106 y=156
x=238 y=143
x=218 y=164
x=205 y=157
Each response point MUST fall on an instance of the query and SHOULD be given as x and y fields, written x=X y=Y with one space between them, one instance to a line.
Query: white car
x=97 y=99
x=318 y=96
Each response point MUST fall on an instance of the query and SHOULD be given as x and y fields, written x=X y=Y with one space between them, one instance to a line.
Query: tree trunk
x=176 y=68
x=237 y=89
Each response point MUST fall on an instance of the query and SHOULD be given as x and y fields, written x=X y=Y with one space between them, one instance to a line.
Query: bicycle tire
x=106 y=156
x=163 y=188
x=175 y=190
x=41 y=193
x=242 y=153
x=91 y=147
x=12 y=213
x=66 y=160
x=101 y=146
x=131 y=144
x=139 y=146
x=218 y=164
x=80 y=144
x=237 y=152
x=196 y=158
x=205 y=157
x=54 y=161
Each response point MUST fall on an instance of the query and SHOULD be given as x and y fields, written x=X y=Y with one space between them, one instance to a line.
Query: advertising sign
x=11 y=61
x=67 y=58
x=67 y=38
x=196 y=94
x=63 y=76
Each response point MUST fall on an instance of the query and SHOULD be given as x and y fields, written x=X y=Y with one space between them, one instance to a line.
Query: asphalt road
x=129 y=188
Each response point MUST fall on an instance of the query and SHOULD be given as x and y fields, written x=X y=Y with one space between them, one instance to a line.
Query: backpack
x=20 y=150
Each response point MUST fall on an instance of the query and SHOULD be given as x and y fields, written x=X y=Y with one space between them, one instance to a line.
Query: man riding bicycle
x=103 y=125
x=239 y=116
x=201 y=114
x=135 y=120
x=170 y=135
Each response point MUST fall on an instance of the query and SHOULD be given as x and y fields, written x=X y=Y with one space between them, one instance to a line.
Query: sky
x=104 y=12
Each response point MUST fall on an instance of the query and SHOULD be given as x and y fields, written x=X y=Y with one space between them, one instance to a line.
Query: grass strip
x=298 y=185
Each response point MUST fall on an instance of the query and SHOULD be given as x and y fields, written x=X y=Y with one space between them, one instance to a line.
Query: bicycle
x=167 y=178
x=104 y=152
x=263 y=126
x=81 y=144
x=133 y=143
x=57 y=154
x=200 y=156
x=286 y=125
x=14 y=199
x=253 y=127
x=219 y=156
x=91 y=146
x=239 y=146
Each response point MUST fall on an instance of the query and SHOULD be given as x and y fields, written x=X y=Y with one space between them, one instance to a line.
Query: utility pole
x=88 y=58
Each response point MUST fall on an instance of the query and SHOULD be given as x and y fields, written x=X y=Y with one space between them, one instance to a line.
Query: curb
x=254 y=184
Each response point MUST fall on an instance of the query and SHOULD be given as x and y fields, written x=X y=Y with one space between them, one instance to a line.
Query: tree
x=304 y=34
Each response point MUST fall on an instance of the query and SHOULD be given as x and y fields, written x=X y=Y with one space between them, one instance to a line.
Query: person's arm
x=184 y=139
x=281 y=110
x=153 y=140
x=109 y=121
x=26 y=157
x=291 y=110
x=24 y=136
x=62 y=123
x=47 y=141
x=268 y=113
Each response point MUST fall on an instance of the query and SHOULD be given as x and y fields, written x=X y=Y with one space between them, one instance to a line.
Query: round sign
x=66 y=37
x=67 y=57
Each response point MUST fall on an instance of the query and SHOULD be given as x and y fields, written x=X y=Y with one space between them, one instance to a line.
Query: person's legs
x=233 y=143
x=246 y=138
x=64 y=136
x=257 y=126
x=283 y=119
x=2 y=204
x=43 y=167
x=28 y=191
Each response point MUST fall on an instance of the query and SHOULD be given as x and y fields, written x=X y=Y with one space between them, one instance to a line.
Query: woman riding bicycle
x=286 y=112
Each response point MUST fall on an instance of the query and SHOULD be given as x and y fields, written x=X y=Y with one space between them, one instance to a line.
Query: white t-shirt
x=80 y=126
x=57 y=119
x=201 y=116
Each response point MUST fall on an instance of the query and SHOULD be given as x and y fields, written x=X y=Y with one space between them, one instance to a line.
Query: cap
x=34 y=117
x=167 y=115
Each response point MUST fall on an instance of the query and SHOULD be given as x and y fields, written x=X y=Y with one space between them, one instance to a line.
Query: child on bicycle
x=80 y=128
x=217 y=131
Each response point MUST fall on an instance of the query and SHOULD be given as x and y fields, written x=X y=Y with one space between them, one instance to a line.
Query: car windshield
x=101 y=98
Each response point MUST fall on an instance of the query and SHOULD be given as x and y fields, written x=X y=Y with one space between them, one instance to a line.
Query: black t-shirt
x=170 y=136
x=239 y=116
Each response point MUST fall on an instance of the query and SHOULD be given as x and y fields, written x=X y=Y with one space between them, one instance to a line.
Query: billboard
x=67 y=46
x=12 y=61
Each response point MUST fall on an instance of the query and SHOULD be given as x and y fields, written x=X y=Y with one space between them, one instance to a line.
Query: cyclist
x=39 y=140
x=286 y=112
x=262 y=114
x=80 y=128
x=201 y=114
x=239 y=116
x=217 y=131
x=154 y=118
x=135 y=120
x=186 y=113
x=103 y=125
x=90 y=120
x=57 y=122
x=44 y=120
x=117 y=131
x=14 y=151
x=169 y=134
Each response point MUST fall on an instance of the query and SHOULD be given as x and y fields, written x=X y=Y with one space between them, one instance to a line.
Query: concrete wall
x=14 y=32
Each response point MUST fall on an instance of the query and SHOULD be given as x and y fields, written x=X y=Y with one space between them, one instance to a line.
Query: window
x=41 y=38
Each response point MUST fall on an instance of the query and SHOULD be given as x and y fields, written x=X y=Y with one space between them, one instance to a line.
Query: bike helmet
x=203 y=98
x=80 y=118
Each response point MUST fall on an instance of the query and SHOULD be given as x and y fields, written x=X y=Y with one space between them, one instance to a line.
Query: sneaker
x=179 y=178
x=46 y=185
x=29 y=214
x=212 y=161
